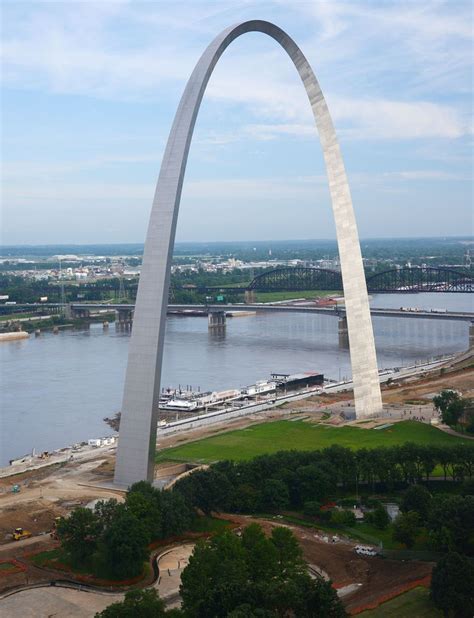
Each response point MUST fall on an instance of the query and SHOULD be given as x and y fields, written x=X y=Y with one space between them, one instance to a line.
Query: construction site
x=31 y=501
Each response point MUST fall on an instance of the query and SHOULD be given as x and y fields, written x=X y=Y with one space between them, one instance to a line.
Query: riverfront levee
x=56 y=389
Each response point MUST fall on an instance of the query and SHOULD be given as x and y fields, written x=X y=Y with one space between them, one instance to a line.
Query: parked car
x=365 y=550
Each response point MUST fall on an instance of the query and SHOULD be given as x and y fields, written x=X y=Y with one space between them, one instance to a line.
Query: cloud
x=85 y=49
x=282 y=189
x=425 y=175
x=243 y=188
x=355 y=119
x=44 y=170
x=388 y=119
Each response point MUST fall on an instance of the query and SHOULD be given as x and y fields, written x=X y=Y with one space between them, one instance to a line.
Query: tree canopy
x=254 y=575
x=452 y=586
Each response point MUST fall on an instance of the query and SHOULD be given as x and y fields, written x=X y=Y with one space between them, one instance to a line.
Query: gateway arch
x=137 y=439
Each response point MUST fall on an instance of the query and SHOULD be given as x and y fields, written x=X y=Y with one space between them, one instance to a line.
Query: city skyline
x=85 y=124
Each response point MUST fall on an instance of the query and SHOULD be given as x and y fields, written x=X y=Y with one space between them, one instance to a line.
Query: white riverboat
x=259 y=388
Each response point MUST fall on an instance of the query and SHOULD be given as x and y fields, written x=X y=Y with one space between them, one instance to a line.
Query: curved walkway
x=447 y=429
x=81 y=602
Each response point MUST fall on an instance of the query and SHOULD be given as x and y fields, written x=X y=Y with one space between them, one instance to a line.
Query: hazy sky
x=90 y=90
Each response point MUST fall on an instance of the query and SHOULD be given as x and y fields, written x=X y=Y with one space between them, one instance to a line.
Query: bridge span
x=335 y=311
x=331 y=311
x=338 y=312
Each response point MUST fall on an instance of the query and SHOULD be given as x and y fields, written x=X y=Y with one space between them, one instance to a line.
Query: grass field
x=412 y=604
x=210 y=524
x=244 y=444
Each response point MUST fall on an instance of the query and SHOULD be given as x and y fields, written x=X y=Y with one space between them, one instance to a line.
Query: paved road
x=56 y=601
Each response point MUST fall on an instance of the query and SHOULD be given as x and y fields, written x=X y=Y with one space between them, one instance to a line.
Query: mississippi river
x=56 y=389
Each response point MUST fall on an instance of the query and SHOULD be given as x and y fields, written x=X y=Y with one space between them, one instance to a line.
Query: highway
x=460 y=316
x=463 y=316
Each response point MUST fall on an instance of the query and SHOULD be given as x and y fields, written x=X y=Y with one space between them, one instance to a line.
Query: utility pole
x=63 y=295
x=121 y=289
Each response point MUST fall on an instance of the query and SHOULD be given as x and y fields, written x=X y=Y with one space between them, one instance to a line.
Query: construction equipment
x=16 y=489
x=19 y=534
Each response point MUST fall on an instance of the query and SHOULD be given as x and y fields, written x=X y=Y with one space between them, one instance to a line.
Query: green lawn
x=415 y=603
x=210 y=524
x=244 y=444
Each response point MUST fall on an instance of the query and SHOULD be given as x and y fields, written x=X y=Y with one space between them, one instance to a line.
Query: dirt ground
x=375 y=576
x=366 y=580
x=461 y=380
x=48 y=493
x=371 y=578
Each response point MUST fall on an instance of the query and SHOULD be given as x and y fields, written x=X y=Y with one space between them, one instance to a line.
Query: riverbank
x=57 y=388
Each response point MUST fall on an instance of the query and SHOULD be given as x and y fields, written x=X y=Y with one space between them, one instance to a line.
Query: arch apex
x=137 y=440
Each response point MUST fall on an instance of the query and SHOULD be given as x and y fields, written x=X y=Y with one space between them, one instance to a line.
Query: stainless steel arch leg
x=136 y=447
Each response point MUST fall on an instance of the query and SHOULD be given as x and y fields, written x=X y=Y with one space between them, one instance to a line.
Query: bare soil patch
x=461 y=379
x=378 y=577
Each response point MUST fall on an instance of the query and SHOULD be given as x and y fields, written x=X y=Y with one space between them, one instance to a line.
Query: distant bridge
x=87 y=309
x=400 y=280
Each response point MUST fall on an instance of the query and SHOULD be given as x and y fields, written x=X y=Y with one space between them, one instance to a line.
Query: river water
x=56 y=389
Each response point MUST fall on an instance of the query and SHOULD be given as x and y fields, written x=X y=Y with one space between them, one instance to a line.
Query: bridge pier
x=471 y=335
x=216 y=319
x=124 y=318
x=79 y=313
x=249 y=296
x=343 y=332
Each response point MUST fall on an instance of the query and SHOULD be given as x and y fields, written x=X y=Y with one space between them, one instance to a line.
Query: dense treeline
x=113 y=538
x=292 y=478
x=251 y=575
x=242 y=574
x=304 y=481
x=246 y=576
x=23 y=290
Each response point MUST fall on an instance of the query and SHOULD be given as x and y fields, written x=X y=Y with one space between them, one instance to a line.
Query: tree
x=254 y=577
x=247 y=611
x=289 y=554
x=418 y=499
x=79 y=534
x=176 y=516
x=312 y=508
x=378 y=517
x=406 y=528
x=124 y=545
x=467 y=488
x=314 y=483
x=451 y=523
x=146 y=508
x=245 y=498
x=451 y=406
x=142 y=603
x=442 y=401
x=105 y=511
x=261 y=556
x=454 y=412
x=215 y=580
x=275 y=495
x=342 y=517
x=452 y=586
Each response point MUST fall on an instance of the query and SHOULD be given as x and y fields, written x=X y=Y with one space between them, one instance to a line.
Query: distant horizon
x=223 y=242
